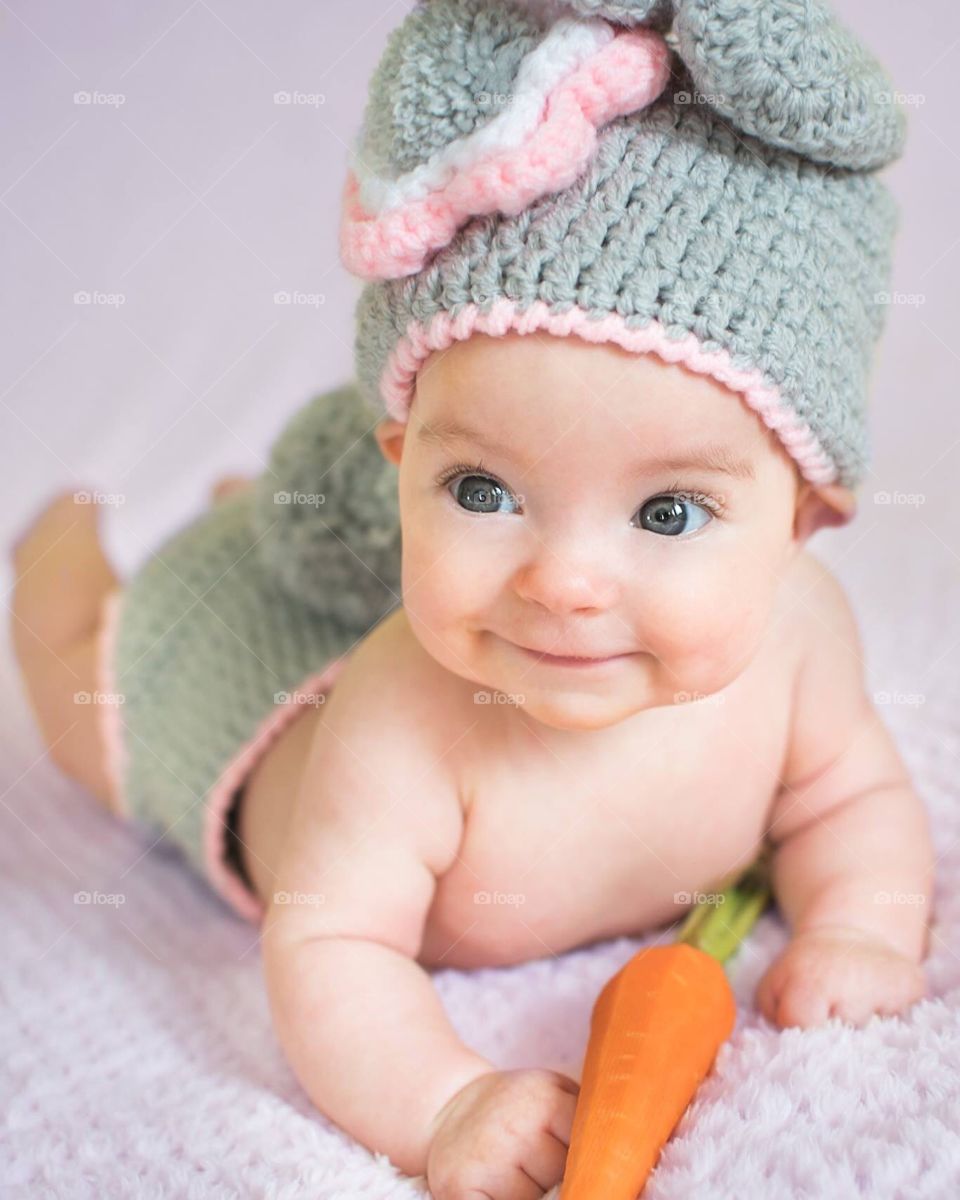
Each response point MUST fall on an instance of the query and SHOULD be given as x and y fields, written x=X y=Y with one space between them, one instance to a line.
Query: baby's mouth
x=570 y=660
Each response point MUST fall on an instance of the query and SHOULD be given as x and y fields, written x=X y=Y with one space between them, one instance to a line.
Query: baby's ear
x=822 y=506
x=390 y=433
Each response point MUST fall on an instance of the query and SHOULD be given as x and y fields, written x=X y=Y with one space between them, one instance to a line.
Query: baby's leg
x=62 y=577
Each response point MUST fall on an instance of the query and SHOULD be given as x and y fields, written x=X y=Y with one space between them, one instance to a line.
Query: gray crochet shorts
x=215 y=644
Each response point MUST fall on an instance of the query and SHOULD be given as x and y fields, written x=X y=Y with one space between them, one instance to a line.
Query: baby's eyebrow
x=447 y=429
x=712 y=456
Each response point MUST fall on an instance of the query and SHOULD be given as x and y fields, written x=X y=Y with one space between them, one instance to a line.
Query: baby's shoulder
x=816 y=610
x=389 y=684
x=829 y=693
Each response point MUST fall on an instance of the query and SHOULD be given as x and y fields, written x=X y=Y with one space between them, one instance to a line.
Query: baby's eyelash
x=463 y=469
x=708 y=500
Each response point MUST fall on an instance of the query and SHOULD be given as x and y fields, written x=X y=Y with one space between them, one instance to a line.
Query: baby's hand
x=834 y=971
x=503 y=1136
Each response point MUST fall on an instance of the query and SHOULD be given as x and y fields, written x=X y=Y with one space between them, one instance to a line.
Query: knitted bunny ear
x=482 y=106
x=788 y=72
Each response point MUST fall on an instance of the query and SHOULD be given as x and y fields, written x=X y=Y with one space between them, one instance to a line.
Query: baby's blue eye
x=670 y=514
x=481 y=494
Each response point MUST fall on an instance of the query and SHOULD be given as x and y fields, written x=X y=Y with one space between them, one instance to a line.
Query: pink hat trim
x=622 y=77
x=399 y=376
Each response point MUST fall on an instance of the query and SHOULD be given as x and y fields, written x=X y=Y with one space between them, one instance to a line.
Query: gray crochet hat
x=695 y=179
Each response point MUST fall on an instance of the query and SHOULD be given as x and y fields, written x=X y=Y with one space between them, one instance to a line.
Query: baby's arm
x=853 y=861
x=358 y=1018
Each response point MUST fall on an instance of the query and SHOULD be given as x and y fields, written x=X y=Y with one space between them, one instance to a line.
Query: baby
x=616 y=672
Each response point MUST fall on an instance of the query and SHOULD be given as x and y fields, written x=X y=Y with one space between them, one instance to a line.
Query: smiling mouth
x=569 y=660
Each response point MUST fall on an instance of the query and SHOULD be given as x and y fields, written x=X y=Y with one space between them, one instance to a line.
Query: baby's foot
x=62 y=580
x=229 y=485
x=61 y=575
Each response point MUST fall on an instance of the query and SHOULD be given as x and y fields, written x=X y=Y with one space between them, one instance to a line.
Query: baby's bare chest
x=559 y=849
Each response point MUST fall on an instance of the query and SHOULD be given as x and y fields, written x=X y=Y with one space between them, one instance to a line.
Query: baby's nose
x=562 y=582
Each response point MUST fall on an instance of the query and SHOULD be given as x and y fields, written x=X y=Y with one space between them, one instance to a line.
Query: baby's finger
x=802 y=1004
x=544 y=1162
x=561 y=1120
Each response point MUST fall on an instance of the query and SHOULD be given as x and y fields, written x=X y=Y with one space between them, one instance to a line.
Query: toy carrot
x=655 y=1031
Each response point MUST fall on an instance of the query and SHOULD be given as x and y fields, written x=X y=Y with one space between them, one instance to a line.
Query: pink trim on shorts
x=108 y=714
x=225 y=882
x=398 y=380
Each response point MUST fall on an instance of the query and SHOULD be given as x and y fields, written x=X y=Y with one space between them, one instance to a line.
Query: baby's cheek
x=706 y=623
x=443 y=587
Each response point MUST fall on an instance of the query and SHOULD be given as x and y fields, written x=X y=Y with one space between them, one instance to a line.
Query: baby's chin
x=578 y=712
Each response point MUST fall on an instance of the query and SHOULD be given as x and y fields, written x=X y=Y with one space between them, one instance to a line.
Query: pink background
x=199 y=198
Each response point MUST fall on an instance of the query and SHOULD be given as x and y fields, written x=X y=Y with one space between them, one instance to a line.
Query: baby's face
x=563 y=497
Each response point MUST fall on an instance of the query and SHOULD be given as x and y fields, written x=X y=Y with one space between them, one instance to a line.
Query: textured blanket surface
x=139 y=1059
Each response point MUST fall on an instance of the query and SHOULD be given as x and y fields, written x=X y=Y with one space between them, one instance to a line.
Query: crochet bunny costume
x=693 y=179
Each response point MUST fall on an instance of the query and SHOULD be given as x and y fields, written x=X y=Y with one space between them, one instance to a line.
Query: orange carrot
x=655 y=1031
